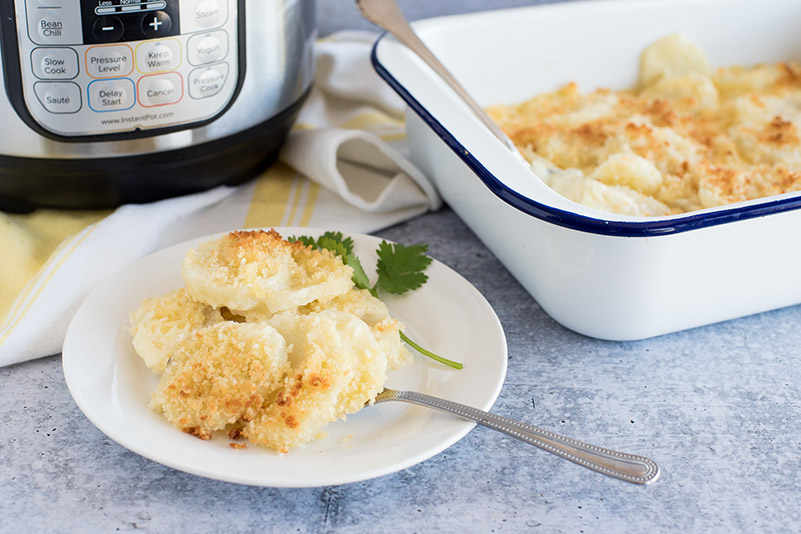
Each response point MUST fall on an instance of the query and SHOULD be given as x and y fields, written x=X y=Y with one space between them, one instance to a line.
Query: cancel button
x=160 y=89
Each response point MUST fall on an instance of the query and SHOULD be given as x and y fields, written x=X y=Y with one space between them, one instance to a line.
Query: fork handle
x=624 y=466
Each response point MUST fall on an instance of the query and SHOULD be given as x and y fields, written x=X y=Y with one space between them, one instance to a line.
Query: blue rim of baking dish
x=575 y=221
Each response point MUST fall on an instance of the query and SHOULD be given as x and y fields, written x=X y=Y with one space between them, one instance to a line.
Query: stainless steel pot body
x=272 y=56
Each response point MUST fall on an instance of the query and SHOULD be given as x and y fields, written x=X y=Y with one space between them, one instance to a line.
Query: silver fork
x=624 y=466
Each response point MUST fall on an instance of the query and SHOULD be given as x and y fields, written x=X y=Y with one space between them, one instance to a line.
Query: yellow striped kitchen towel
x=343 y=167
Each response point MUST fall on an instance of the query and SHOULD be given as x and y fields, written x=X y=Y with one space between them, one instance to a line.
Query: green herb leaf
x=400 y=267
x=359 y=276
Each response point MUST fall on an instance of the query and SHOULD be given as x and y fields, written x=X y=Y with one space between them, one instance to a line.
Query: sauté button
x=58 y=97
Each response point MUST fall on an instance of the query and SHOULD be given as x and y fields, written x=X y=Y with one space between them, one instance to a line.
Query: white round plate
x=112 y=386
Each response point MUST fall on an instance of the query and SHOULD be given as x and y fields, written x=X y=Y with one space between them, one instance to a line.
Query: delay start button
x=160 y=89
x=111 y=95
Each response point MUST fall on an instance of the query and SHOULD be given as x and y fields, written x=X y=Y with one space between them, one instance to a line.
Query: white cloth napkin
x=343 y=167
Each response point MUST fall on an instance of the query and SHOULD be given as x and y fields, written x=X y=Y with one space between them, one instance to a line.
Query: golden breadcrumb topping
x=269 y=341
x=260 y=271
x=686 y=139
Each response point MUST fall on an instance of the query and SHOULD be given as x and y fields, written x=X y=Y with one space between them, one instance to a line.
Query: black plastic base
x=98 y=183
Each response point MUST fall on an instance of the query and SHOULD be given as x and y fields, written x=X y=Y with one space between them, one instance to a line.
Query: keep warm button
x=160 y=89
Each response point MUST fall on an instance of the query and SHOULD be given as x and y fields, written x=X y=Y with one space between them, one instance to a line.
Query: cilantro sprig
x=400 y=269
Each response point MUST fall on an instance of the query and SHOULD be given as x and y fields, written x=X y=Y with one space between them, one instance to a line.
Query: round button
x=108 y=29
x=59 y=97
x=208 y=81
x=208 y=13
x=112 y=95
x=156 y=24
x=51 y=27
x=161 y=89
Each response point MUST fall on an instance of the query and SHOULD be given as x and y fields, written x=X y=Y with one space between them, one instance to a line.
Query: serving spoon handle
x=387 y=15
x=624 y=466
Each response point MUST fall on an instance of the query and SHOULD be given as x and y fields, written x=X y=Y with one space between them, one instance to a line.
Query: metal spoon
x=628 y=467
x=387 y=15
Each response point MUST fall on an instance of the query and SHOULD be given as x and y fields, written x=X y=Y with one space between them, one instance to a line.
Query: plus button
x=156 y=24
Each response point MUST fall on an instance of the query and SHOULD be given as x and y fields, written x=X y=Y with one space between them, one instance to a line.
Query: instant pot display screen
x=122 y=67
x=111 y=21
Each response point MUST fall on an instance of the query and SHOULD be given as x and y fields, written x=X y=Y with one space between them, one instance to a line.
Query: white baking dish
x=603 y=275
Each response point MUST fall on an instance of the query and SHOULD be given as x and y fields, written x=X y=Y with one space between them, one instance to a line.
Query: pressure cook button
x=207 y=81
x=160 y=89
x=207 y=47
x=58 y=97
x=108 y=29
x=111 y=95
x=208 y=13
x=54 y=63
x=156 y=24
x=109 y=61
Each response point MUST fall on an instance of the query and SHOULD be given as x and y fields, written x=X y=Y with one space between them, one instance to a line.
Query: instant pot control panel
x=122 y=68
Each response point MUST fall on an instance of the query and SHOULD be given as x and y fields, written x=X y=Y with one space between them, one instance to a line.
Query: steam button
x=208 y=13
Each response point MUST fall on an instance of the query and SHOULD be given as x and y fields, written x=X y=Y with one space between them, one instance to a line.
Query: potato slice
x=674 y=55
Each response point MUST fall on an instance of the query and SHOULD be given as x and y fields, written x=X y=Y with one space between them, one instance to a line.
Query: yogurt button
x=161 y=89
x=207 y=81
x=208 y=13
x=208 y=48
x=59 y=97
x=111 y=95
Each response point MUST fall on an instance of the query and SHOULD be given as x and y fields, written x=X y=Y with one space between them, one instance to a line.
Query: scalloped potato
x=269 y=341
x=687 y=138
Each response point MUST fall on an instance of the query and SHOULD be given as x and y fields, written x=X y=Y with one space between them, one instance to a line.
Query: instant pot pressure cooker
x=115 y=101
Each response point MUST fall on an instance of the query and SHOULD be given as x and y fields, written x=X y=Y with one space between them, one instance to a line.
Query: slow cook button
x=111 y=95
x=160 y=89
x=207 y=81
x=54 y=63
x=58 y=97
x=158 y=56
x=109 y=61
x=207 y=47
